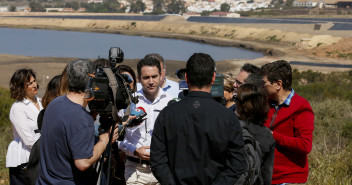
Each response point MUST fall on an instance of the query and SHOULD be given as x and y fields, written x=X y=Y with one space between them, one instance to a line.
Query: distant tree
x=158 y=5
x=75 y=5
x=224 y=7
x=176 y=6
x=289 y=4
x=138 y=6
x=205 y=13
x=36 y=7
x=12 y=8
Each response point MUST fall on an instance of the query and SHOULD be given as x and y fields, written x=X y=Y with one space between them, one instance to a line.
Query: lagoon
x=50 y=43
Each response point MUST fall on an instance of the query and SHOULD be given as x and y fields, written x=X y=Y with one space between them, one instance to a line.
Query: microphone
x=175 y=100
x=140 y=113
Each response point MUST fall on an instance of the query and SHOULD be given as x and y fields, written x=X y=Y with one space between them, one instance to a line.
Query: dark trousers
x=17 y=175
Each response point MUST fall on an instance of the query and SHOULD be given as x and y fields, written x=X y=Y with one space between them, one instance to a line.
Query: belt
x=139 y=161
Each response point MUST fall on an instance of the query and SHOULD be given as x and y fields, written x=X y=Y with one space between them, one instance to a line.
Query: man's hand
x=105 y=137
x=142 y=153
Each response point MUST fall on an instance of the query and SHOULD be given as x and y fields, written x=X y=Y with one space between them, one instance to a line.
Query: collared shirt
x=285 y=103
x=23 y=116
x=140 y=135
x=170 y=86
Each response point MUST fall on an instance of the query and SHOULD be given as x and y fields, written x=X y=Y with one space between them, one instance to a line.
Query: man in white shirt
x=167 y=85
x=137 y=139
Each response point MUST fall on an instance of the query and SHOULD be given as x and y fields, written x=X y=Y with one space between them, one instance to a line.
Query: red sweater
x=293 y=134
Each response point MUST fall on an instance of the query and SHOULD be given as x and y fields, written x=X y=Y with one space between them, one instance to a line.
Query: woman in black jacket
x=252 y=108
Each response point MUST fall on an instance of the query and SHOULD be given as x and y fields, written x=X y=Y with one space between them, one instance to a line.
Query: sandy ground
x=277 y=41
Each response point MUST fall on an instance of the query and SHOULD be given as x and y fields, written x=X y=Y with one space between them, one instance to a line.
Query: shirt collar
x=201 y=94
x=26 y=101
x=167 y=85
x=287 y=101
x=161 y=94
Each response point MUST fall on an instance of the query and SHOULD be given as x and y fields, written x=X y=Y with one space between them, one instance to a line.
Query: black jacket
x=197 y=141
x=267 y=145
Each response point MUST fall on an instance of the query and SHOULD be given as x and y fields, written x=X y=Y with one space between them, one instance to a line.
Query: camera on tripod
x=107 y=90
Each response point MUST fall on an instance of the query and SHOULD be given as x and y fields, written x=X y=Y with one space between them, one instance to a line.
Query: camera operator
x=197 y=140
x=137 y=139
x=67 y=142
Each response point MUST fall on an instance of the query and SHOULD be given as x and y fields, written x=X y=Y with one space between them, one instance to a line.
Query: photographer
x=67 y=142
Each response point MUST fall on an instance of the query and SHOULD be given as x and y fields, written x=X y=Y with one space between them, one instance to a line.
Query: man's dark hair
x=158 y=57
x=200 y=68
x=18 y=83
x=255 y=78
x=250 y=68
x=101 y=62
x=148 y=62
x=77 y=73
x=278 y=70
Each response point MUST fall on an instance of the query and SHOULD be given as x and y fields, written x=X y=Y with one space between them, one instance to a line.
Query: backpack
x=252 y=171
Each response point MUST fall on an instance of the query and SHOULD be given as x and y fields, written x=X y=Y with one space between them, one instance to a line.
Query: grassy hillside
x=330 y=96
x=5 y=132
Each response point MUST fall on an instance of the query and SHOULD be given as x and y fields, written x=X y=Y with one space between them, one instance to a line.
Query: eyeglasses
x=32 y=82
x=238 y=82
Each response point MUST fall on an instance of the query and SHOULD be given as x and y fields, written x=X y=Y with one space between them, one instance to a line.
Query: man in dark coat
x=197 y=140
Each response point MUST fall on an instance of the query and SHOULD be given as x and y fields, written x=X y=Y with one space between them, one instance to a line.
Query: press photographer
x=67 y=142
x=109 y=91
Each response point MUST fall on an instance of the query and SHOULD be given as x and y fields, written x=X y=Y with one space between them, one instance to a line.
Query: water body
x=49 y=43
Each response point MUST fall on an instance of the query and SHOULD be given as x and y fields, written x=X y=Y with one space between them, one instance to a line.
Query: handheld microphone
x=140 y=113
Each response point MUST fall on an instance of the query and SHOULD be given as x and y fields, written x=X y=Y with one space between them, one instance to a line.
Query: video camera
x=217 y=89
x=107 y=88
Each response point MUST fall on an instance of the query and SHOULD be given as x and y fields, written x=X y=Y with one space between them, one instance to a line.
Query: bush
x=330 y=161
x=6 y=132
x=5 y=106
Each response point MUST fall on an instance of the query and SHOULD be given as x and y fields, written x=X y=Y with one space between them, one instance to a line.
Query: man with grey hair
x=245 y=71
x=67 y=145
x=167 y=85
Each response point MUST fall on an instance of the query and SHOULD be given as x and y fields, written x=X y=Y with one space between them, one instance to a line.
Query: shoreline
x=274 y=43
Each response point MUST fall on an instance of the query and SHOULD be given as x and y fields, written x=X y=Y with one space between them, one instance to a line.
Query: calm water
x=48 y=43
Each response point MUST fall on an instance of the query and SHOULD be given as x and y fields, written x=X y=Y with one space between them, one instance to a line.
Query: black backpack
x=252 y=172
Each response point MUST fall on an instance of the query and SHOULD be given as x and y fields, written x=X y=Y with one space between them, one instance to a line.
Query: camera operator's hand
x=130 y=118
x=142 y=153
x=105 y=137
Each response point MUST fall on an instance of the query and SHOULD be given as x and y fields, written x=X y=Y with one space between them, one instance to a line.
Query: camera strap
x=113 y=85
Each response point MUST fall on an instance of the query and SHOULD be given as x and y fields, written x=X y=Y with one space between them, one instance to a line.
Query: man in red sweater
x=291 y=120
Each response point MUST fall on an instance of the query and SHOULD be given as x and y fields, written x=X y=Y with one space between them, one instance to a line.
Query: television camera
x=217 y=89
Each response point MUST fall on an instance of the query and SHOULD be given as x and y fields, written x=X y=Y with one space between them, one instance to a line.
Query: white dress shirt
x=170 y=86
x=23 y=116
x=140 y=135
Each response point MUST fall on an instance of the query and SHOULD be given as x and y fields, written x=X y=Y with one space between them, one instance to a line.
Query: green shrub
x=5 y=106
x=5 y=132
x=330 y=161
